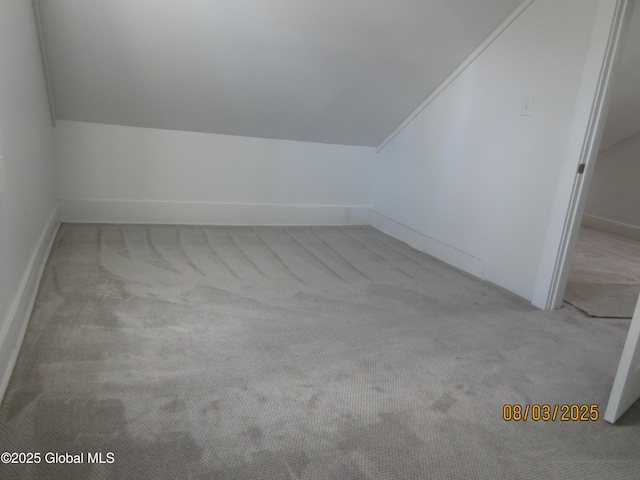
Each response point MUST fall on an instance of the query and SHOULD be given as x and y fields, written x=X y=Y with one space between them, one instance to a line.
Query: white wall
x=110 y=173
x=614 y=197
x=28 y=216
x=472 y=181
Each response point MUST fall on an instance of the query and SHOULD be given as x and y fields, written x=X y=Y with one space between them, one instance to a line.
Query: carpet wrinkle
x=403 y=272
x=170 y=247
x=378 y=258
x=296 y=259
x=317 y=259
x=341 y=259
x=123 y=243
x=364 y=250
x=184 y=254
x=144 y=256
x=300 y=368
x=312 y=241
x=244 y=254
x=391 y=249
x=280 y=260
x=265 y=258
x=158 y=260
x=234 y=256
x=217 y=256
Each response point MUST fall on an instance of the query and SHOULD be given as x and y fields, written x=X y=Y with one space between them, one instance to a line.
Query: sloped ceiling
x=623 y=120
x=331 y=71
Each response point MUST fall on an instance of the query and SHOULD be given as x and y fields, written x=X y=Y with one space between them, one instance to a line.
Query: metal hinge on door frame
x=581 y=168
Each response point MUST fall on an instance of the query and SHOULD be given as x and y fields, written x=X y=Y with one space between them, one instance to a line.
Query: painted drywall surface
x=104 y=164
x=469 y=171
x=27 y=201
x=312 y=70
x=615 y=186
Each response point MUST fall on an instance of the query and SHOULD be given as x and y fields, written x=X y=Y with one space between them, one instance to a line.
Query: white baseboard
x=202 y=213
x=611 y=226
x=446 y=253
x=15 y=325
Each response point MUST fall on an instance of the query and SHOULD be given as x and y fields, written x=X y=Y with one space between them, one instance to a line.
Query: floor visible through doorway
x=604 y=280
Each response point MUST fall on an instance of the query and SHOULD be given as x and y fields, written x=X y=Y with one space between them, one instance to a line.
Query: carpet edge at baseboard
x=15 y=325
x=209 y=213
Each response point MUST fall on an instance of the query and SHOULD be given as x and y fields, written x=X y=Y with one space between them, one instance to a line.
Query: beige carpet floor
x=604 y=280
x=302 y=354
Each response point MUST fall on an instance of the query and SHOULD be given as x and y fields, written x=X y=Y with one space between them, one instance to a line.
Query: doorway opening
x=604 y=277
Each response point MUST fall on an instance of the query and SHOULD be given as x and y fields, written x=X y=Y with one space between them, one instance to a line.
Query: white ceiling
x=331 y=71
x=623 y=120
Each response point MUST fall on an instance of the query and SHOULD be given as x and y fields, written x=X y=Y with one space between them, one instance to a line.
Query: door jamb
x=569 y=206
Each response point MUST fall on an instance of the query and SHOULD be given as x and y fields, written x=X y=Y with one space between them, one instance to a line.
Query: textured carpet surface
x=604 y=280
x=299 y=353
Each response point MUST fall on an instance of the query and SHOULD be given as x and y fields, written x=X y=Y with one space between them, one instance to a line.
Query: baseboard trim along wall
x=448 y=254
x=611 y=226
x=204 y=213
x=15 y=326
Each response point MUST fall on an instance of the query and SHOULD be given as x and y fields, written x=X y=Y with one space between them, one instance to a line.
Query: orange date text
x=550 y=413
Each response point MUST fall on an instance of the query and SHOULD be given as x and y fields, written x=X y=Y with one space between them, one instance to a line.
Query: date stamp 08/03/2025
x=510 y=412
x=568 y=412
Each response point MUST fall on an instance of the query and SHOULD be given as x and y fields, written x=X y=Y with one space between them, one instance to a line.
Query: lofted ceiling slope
x=329 y=71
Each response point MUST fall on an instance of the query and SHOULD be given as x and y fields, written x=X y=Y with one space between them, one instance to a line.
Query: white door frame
x=611 y=23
